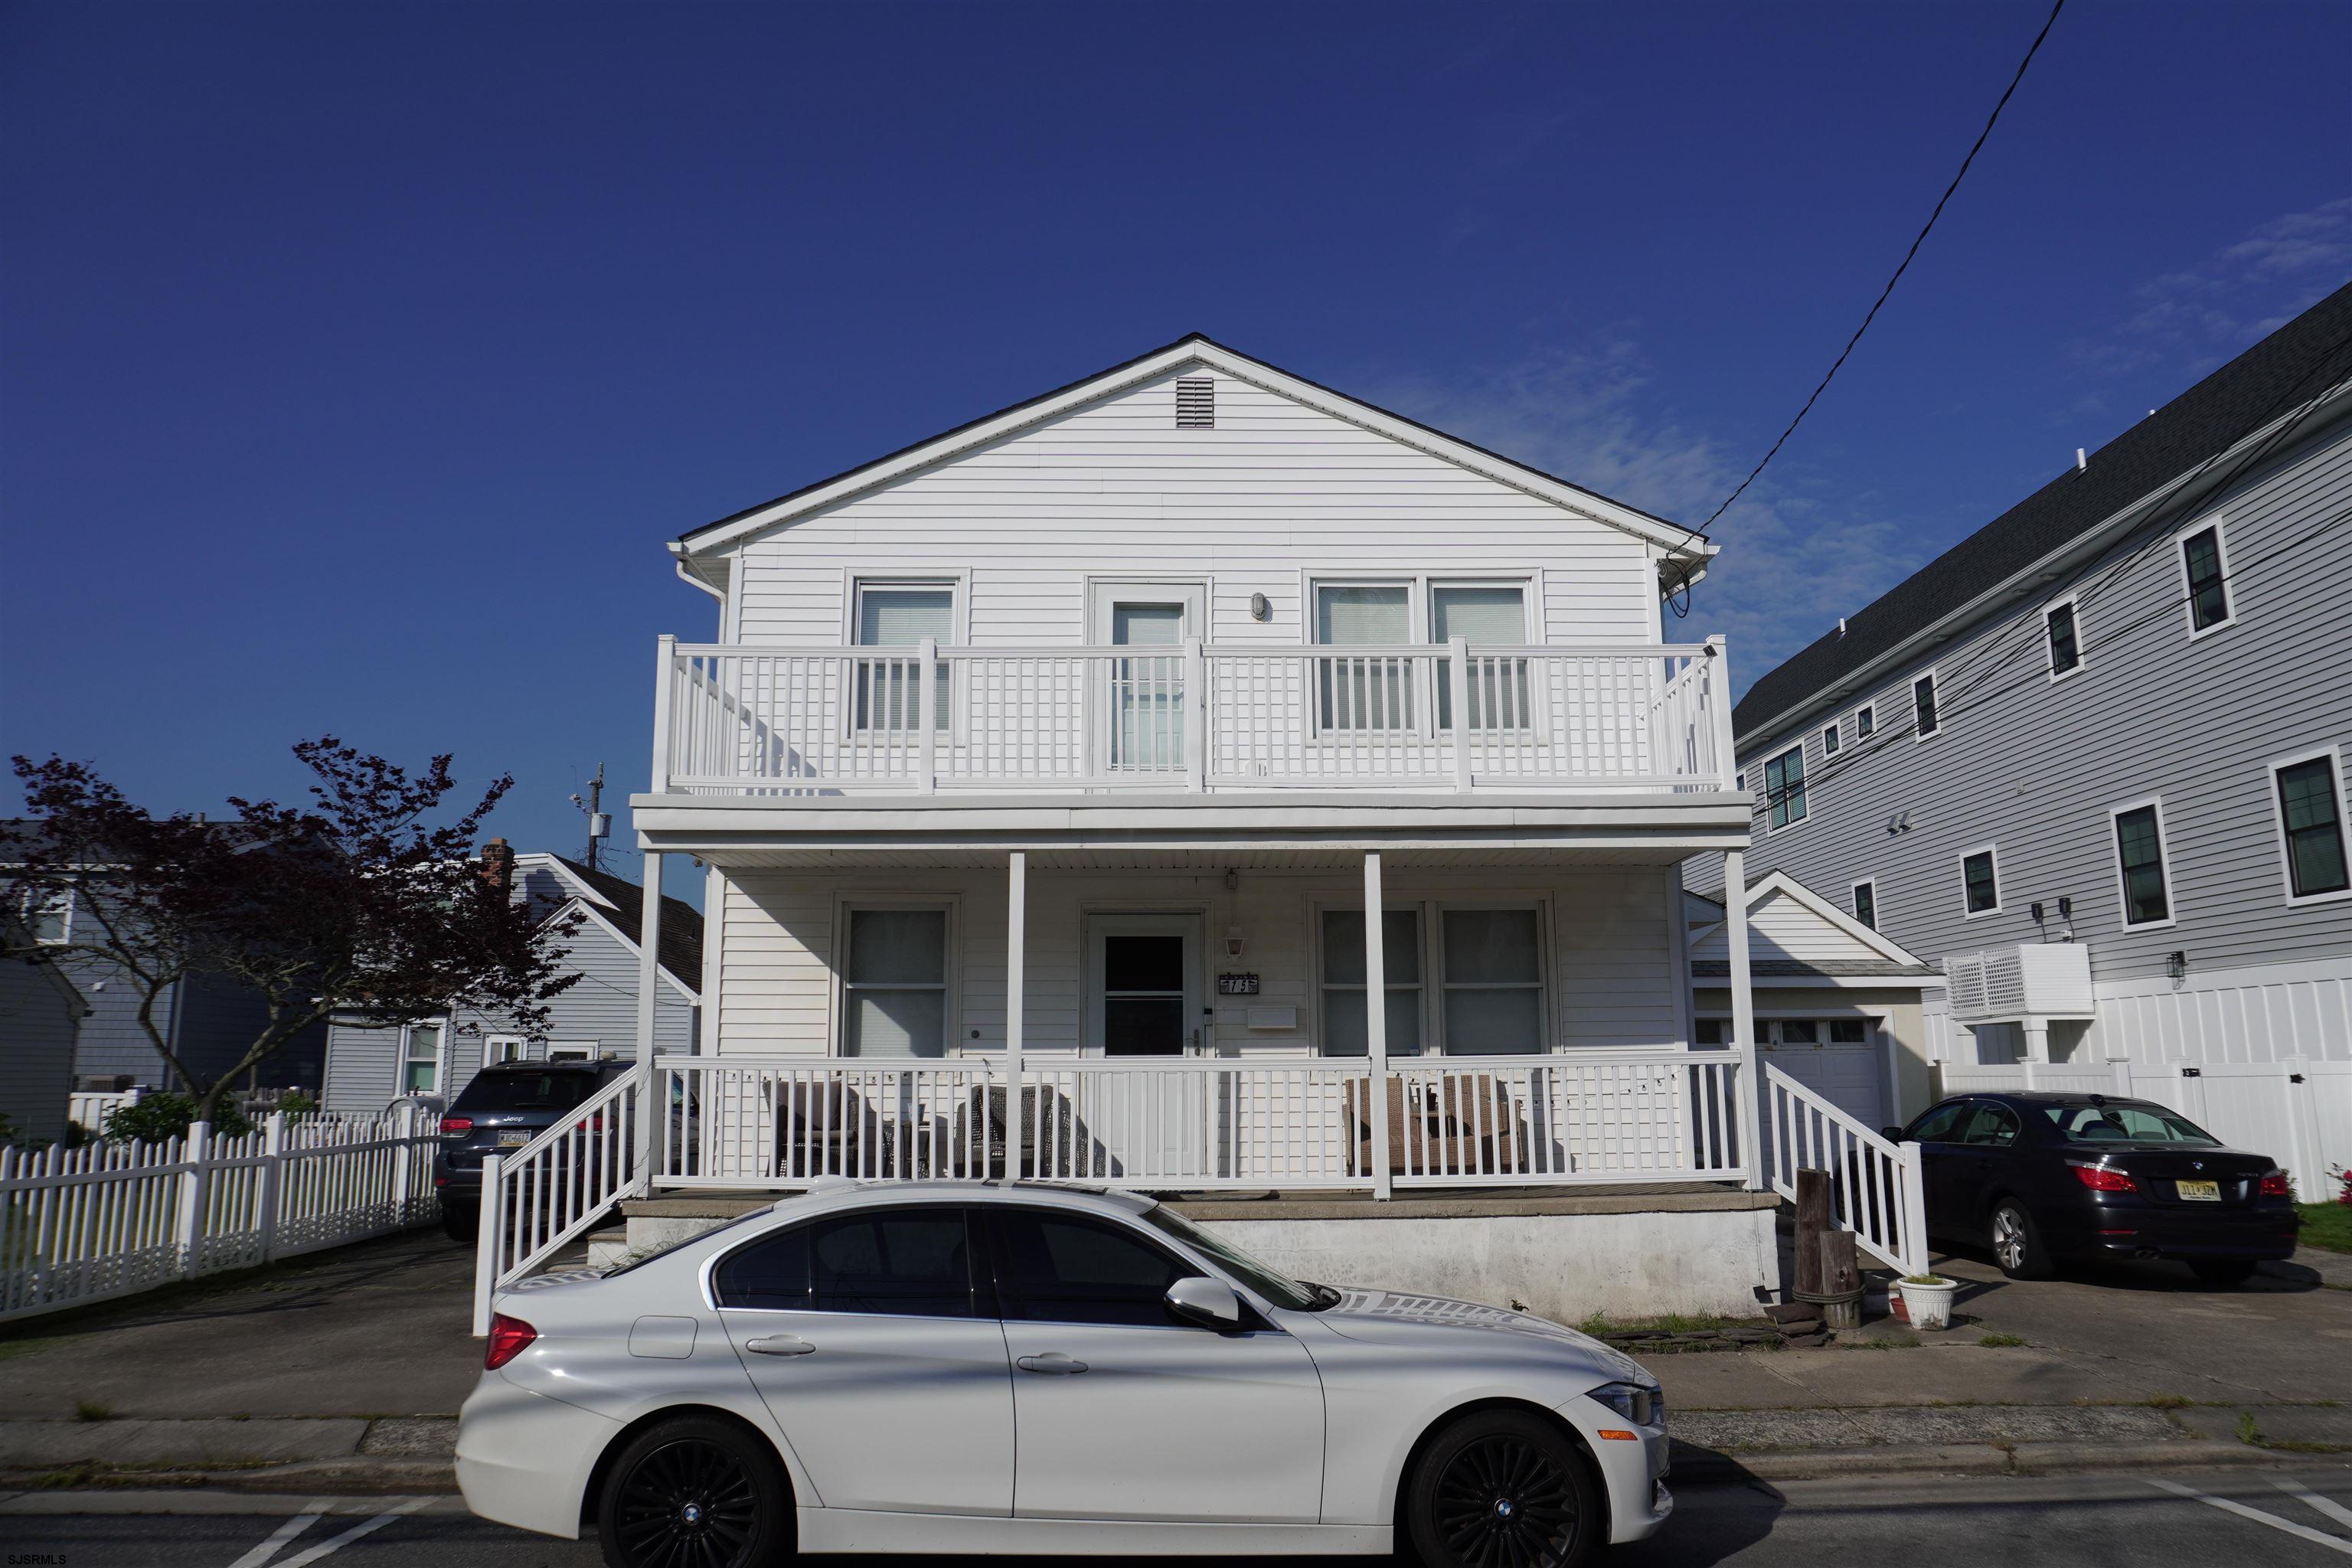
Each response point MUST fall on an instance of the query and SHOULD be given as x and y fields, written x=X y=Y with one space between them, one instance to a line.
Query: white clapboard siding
x=1779 y=928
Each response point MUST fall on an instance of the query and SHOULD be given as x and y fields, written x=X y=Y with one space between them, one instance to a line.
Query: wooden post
x=1841 y=1273
x=1812 y=1223
x=1458 y=679
x=188 y=1232
x=1376 y=1023
x=273 y=1150
x=1016 y=942
x=1743 y=1016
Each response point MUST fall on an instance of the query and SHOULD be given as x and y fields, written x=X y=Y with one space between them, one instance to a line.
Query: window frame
x=1851 y=903
x=572 y=1050
x=33 y=892
x=2072 y=605
x=2116 y=813
x=1420 y=912
x=1433 y=960
x=1420 y=585
x=495 y=1051
x=1934 y=701
x=980 y=1275
x=989 y=1215
x=1993 y=851
x=1865 y=722
x=957 y=584
x=2334 y=757
x=404 y=1056
x=1830 y=740
x=846 y=904
x=1804 y=808
x=2180 y=539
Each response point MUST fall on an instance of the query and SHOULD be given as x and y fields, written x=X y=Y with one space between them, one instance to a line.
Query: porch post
x=649 y=956
x=1376 y=1022
x=1743 y=1014
x=1017 y=923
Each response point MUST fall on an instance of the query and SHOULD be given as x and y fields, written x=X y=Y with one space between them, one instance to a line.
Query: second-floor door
x=1145 y=703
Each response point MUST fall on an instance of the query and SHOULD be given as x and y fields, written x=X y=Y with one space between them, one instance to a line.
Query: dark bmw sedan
x=505 y=1106
x=2045 y=1178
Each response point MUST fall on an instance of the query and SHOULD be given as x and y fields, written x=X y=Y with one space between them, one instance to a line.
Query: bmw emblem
x=1502 y=1507
x=691 y=1513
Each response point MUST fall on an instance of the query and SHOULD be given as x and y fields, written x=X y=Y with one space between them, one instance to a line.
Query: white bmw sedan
x=977 y=1367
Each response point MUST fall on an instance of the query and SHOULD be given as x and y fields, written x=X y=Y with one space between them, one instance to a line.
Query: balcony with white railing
x=1201 y=717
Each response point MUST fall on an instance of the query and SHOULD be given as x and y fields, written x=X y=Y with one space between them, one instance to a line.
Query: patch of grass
x=2248 y=1432
x=1667 y=1324
x=91 y=1410
x=2167 y=1401
x=1892 y=1342
x=1997 y=1341
x=2325 y=1226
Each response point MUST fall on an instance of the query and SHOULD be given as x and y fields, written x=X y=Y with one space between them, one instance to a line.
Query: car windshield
x=2125 y=1124
x=1275 y=1287
x=525 y=1091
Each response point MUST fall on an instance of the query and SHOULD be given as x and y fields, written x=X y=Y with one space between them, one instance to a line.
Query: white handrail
x=546 y=1194
x=1877 y=1184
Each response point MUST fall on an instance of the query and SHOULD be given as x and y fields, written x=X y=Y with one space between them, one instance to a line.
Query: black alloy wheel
x=692 y=1493
x=1503 y=1491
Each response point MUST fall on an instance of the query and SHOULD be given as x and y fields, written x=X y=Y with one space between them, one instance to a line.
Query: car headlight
x=1640 y=1404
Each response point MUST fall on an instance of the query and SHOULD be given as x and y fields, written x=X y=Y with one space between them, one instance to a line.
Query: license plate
x=516 y=1140
x=2199 y=1192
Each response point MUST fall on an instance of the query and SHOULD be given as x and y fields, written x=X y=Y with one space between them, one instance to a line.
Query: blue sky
x=356 y=361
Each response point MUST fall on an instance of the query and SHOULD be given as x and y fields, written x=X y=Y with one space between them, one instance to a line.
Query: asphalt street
x=2270 y=1517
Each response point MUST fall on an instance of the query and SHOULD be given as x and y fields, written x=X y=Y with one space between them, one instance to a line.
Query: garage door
x=1824 y=1054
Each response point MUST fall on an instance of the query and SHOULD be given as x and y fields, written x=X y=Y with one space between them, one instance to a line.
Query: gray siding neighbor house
x=2092 y=759
x=368 y=1067
x=40 y=1018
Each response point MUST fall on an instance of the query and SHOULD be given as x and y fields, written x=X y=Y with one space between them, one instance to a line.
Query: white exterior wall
x=1611 y=978
x=1276 y=492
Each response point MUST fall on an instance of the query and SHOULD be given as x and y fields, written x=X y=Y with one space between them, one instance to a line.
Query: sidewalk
x=342 y=1374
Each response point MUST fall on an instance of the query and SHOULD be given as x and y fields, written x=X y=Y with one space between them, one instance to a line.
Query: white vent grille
x=1196 y=405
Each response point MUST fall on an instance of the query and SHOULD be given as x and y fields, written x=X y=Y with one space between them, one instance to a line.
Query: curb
x=1706 y=1466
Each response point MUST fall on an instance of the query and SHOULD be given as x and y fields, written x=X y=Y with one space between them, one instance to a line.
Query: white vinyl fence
x=2298 y=1111
x=80 y=1224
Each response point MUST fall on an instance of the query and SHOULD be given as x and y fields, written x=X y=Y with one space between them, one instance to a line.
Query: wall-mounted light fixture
x=2176 y=964
x=1233 y=881
x=1260 y=610
x=1234 y=941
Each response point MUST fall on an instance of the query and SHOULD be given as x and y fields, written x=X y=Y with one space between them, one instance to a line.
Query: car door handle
x=780 y=1344
x=1051 y=1361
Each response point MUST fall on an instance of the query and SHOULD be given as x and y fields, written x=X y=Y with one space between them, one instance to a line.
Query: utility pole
x=600 y=826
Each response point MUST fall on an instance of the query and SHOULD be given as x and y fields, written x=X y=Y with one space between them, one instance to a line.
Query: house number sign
x=1237 y=984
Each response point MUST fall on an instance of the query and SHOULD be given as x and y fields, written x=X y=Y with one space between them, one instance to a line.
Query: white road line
x=286 y=1532
x=2226 y=1506
x=365 y=1527
x=2334 y=1511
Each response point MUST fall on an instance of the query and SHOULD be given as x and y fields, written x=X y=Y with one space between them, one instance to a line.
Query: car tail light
x=510 y=1337
x=2275 y=1186
x=2100 y=1178
x=452 y=1126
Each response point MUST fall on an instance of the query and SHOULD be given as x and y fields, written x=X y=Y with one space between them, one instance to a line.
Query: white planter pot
x=1929 y=1306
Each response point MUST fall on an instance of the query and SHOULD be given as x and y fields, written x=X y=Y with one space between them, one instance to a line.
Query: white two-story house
x=1042 y=774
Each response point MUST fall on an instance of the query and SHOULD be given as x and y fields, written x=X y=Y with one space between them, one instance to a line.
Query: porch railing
x=1201 y=716
x=1876 y=1186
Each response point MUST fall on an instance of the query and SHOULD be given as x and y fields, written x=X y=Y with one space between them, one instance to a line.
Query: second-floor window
x=1366 y=691
x=1485 y=617
x=2139 y=861
x=420 y=1059
x=2311 y=819
x=1865 y=903
x=48 y=914
x=1830 y=742
x=1980 y=882
x=899 y=616
x=2058 y=622
x=2201 y=567
x=1923 y=705
x=1784 y=787
x=1865 y=722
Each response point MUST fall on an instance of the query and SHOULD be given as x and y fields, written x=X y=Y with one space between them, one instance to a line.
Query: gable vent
x=1196 y=405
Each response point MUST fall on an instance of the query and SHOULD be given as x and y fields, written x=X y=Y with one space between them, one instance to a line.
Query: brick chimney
x=498 y=865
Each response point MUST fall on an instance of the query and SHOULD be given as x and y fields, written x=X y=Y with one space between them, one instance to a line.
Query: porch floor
x=1632 y=1197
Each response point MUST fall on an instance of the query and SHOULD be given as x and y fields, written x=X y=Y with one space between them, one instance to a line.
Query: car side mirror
x=1208 y=1303
x=1892 y=1134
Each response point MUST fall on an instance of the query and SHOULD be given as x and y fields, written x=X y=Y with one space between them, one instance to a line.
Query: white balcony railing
x=850 y=720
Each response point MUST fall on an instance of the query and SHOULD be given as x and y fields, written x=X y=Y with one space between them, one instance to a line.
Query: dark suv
x=505 y=1106
x=2045 y=1177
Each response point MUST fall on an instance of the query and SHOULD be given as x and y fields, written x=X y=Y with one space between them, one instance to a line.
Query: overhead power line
x=1940 y=203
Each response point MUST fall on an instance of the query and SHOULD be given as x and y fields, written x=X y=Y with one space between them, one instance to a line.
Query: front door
x=1144 y=701
x=1143 y=985
x=1121 y=1412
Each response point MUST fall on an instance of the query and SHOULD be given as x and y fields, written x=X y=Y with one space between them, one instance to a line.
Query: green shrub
x=156 y=1117
x=295 y=1102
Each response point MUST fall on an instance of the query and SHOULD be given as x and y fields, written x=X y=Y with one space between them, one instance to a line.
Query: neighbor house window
x=1493 y=982
x=504 y=1048
x=420 y=1059
x=1784 y=787
x=1979 y=880
x=1345 y=1029
x=1710 y=1031
x=1923 y=704
x=895 y=983
x=1865 y=903
x=2311 y=818
x=2140 y=857
x=573 y=1052
x=1865 y=722
x=2200 y=564
x=895 y=614
x=1830 y=742
x=1485 y=617
x=2058 y=625
x=1364 y=691
x=48 y=914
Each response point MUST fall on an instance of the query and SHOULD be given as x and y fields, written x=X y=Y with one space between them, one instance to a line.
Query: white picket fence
x=2298 y=1110
x=78 y=1225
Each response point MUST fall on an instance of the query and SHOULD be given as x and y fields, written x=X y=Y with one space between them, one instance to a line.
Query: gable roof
x=1891 y=958
x=2293 y=365
x=1681 y=544
x=622 y=906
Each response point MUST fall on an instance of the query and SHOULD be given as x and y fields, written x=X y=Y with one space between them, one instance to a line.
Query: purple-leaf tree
x=367 y=903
